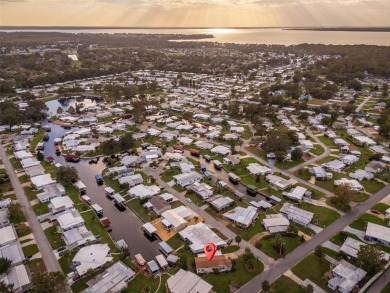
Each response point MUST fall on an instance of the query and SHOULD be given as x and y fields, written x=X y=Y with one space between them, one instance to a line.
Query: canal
x=125 y=225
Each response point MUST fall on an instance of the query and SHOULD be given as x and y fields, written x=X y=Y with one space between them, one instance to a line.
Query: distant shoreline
x=352 y=29
x=343 y=29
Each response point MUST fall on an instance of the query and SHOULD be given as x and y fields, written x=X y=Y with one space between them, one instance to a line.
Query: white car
x=189 y=199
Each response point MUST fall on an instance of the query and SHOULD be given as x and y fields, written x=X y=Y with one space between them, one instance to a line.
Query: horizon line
x=185 y=27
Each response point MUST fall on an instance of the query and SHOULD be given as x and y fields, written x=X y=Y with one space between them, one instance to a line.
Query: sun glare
x=221 y=31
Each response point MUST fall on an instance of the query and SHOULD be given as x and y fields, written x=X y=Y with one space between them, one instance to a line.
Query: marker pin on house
x=209 y=250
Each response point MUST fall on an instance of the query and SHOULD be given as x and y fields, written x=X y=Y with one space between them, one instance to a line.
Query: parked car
x=375 y=212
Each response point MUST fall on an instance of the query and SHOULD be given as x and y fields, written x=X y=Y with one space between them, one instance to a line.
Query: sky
x=195 y=13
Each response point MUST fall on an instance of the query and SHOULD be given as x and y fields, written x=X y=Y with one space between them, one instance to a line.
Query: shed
x=162 y=262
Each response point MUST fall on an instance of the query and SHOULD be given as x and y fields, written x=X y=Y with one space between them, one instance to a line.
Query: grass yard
x=23 y=179
x=230 y=249
x=360 y=197
x=168 y=174
x=73 y=193
x=36 y=266
x=137 y=207
x=194 y=198
x=30 y=250
x=381 y=207
x=175 y=242
x=41 y=208
x=142 y=283
x=317 y=150
x=284 y=284
x=92 y=223
x=346 y=209
x=361 y=222
x=23 y=230
x=239 y=276
x=372 y=186
x=248 y=233
x=54 y=237
x=315 y=269
x=216 y=231
x=290 y=243
x=30 y=193
x=331 y=253
x=324 y=216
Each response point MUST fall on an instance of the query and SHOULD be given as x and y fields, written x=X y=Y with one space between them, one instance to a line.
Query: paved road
x=208 y=219
x=315 y=159
x=380 y=283
x=48 y=256
x=362 y=104
x=302 y=251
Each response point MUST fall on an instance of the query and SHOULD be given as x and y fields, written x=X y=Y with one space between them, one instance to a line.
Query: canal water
x=125 y=225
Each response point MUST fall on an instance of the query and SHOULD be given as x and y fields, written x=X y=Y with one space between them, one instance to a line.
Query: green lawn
x=37 y=138
x=322 y=216
x=372 y=186
x=361 y=222
x=360 y=197
x=346 y=209
x=381 y=207
x=41 y=208
x=31 y=194
x=36 y=266
x=239 y=276
x=315 y=269
x=284 y=284
x=54 y=237
x=141 y=283
x=137 y=207
x=168 y=174
x=23 y=230
x=216 y=231
x=65 y=264
x=230 y=249
x=175 y=241
x=317 y=150
x=23 y=179
x=73 y=193
x=30 y=250
x=248 y=233
x=194 y=198
x=92 y=224
x=331 y=253
x=290 y=243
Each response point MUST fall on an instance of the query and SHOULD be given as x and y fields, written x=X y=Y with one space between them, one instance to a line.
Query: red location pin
x=209 y=250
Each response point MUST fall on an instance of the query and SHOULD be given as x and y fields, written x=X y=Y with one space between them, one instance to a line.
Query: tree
x=370 y=259
x=40 y=156
x=60 y=110
x=238 y=239
x=342 y=196
x=5 y=265
x=6 y=288
x=265 y=286
x=296 y=154
x=303 y=116
x=188 y=116
x=71 y=110
x=279 y=244
x=232 y=148
x=67 y=175
x=385 y=90
x=319 y=251
x=16 y=214
x=53 y=282
x=138 y=111
x=309 y=288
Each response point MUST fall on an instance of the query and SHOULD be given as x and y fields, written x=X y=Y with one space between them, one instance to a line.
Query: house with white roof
x=296 y=215
x=77 y=237
x=202 y=189
x=349 y=159
x=142 y=191
x=221 y=150
x=242 y=216
x=361 y=175
x=41 y=181
x=353 y=184
x=19 y=277
x=275 y=223
x=93 y=257
x=277 y=182
x=378 y=233
x=113 y=279
x=220 y=202
x=345 y=277
x=187 y=282
x=172 y=220
x=186 y=179
x=256 y=169
x=198 y=235
x=297 y=193
x=69 y=220
x=334 y=165
x=60 y=204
